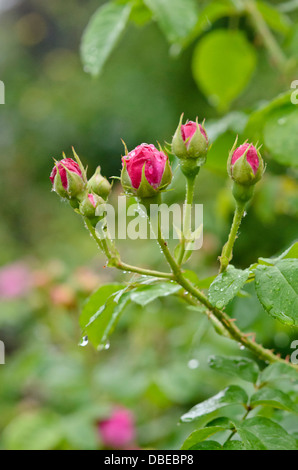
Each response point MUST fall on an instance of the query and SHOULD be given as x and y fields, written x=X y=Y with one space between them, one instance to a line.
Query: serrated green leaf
x=222 y=422
x=255 y=125
x=280 y=136
x=199 y=436
x=234 y=445
x=96 y=301
x=226 y=285
x=263 y=434
x=277 y=290
x=278 y=371
x=232 y=395
x=102 y=311
x=291 y=252
x=101 y=35
x=145 y=295
x=274 y=398
x=176 y=18
x=223 y=64
x=207 y=445
x=241 y=367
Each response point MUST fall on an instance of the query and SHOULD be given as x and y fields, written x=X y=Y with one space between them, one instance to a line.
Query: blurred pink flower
x=118 y=431
x=15 y=280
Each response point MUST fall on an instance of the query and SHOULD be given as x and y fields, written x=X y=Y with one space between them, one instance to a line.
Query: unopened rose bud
x=67 y=178
x=99 y=185
x=190 y=141
x=246 y=168
x=90 y=203
x=146 y=171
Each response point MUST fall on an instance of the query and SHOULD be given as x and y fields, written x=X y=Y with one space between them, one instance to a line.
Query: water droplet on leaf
x=84 y=341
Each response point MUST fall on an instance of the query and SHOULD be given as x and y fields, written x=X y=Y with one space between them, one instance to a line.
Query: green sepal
x=198 y=146
x=178 y=145
x=229 y=162
x=86 y=207
x=145 y=189
x=166 y=177
x=99 y=185
x=75 y=185
x=78 y=160
x=126 y=181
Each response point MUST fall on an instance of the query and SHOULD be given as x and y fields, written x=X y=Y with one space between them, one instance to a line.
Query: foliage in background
x=147 y=79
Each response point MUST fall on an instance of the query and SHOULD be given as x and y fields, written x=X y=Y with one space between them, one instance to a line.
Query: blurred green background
x=53 y=392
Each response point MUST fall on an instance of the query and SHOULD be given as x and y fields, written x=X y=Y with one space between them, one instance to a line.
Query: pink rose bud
x=245 y=164
x=68 y=178
x=246 y=168
x=146 y=171
x=118 y=431
x=251 y=156
x=90 y=203
x=190 y=141
x=189 y=129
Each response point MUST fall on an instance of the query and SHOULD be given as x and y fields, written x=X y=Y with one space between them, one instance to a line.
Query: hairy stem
x=227 y=251
x=235 y=333
x=190 y=185
x=114 y=258
x=193 y=295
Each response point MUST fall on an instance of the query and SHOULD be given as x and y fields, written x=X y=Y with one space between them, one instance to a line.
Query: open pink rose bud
x=146 y=171
x=246 y=168
x=68 y=178
x=118 y=431
x=90 y=204
x=190 y=141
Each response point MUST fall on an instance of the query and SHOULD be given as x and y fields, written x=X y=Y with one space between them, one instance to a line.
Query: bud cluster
x=146 y=171
x=69 y=181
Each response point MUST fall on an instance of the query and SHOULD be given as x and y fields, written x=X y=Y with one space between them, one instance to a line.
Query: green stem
x=190 y=185
x=234 y=431
x=143 y=271
x=194 y=295
x=101 y=242
x=227 y=251
x=224 y=319
x=115 y=261
x=269 y=40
